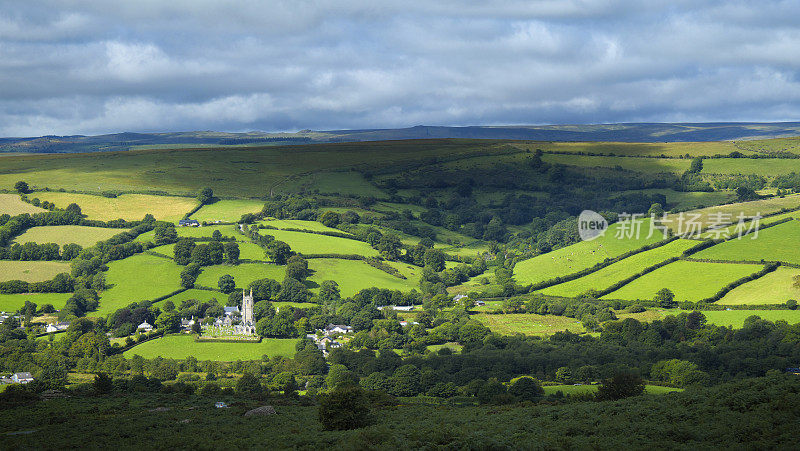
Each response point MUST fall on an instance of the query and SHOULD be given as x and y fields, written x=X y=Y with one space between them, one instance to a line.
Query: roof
x=340 y=326
x=231 y=310
x=144 y=325
x=23 y=375
x=188 y=221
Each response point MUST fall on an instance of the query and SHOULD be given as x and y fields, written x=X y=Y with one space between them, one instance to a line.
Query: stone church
x=248 y=325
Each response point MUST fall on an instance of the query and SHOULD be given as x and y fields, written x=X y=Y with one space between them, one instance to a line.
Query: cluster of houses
x=325 y=339
x=17 y=378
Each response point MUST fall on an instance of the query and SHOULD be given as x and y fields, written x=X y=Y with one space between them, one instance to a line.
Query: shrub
x=346 y=407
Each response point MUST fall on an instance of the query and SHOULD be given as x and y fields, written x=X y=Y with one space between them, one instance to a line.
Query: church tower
x=247 y=309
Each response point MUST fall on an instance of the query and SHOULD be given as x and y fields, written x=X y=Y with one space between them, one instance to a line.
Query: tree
x=279 y=252
x=526 y=388
x=226 y=283
x=189 y=275
x=564 y=375
x=297 y=268
x=164 y=233
x=103 y=383
x=491 y=392
x=231 y=252
x=74 y=208
x=622 y=385
x=201 y=255
x=329 y=292
x=216 y=236
x=389 y=246
x=205 y=196
x=249 y=384
x=344 y=408
x=330 y=219
x=406 y=381
x=665 y=298
x=21 y=187
x=169 y=322
x=183 y=251
x=216 y=252
x=656 y=210
x=434 y=259
x=292 y=290
x=339 y=375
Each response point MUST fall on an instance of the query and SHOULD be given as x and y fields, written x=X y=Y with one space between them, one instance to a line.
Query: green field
x=690 y=281
x=182 y=346
x=200 y=295
x=605 y=277
x=730 y=212
x=349 y=183
x=65 y=234
x=131 y=207
x=227 y=230
x=774 y=288
x=355 y=275
x=35 y=271
x=529 y=323
x=251 y=251
x=582 y=255
x=12 y=205
x=645 y=165
x=762 y=166
x=228 y=210
x=13 y=302
x=735 y=318
x=777 y=243
x=313 y=226
x=673 y=149
x=243 y=273
x=137 y=278
x=311 y=243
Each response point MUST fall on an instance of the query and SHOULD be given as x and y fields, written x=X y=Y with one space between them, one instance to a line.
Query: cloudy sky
x=89 y=67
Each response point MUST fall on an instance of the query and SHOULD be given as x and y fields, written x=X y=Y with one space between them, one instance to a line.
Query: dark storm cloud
x=96 y=67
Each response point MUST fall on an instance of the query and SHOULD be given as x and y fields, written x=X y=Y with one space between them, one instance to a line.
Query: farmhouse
x=144 y=327
x=399 y=308
x=22 y=378
x=337 y=329
x=188 y=223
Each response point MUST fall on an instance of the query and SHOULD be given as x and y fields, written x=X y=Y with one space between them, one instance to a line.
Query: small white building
x=337 y=329
x=144 y=327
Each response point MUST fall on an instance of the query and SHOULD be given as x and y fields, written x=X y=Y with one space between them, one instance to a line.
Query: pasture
x=582 y=255
x=355 y=275
x=645 y=165
x=183 y=345
x=313 y=226
x=730 y=212
x=200 y=295
x=227 y=210
x=243 y=274
x=131 y=207
x=671 y=149
x=777 y=243
x=727 y=318
x=529 y=323
x=31 y=271
x=137 y=278
x=774 y=288
x=310 y=243
x=605 y=277
x=13 y=302
x=766 y=167
x=569 y=389
x=12 y=205
x=227 y=230
x=345 y=183
x=251 y=251
x=690 y=281
x=66 y=234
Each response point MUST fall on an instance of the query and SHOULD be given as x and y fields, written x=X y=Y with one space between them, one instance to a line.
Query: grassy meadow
x=227 y=230
x=605 y=277
x=138 y=278
x=243 y=273
x=65 y=234
x=131 y=207
x=777 y=243
x=200 y=295
x=227 y=210
x=310 y=243
x=582 y=255
x=690 y=281
x=730 y=212
x=12 y=205
x=182 y=346
x=355 y=275
x=313 y=226
x=13 y=302
x=646 y=165
x=529 y=324
x=774 y=288
x=570 y=389
x=31 y=271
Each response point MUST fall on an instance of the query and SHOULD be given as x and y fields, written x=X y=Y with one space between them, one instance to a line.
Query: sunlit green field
x=243 y=273
x=12 y=205
x=35 y=271
x=621 y=270
x=730 y=212
x=227 y=230
x=228 y=210
x=582 y=255
x=735 y=318
x=65 y=234
x=342 y=183
x=646 y=165
x=200 y=295
x=355 y=275
x=310 y=243
x=569 y=389
x=690 y=281
x=131 y=207
x=777 y=243
x=762 y=166
x=774 y=288
x=297 y=224
x=137 y=278
x=183 y=346
x=12 y=302
x=529 y=323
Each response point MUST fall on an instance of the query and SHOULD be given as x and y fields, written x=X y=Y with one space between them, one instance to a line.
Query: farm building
x=188 y=223
x=145 y=327
x=337 y=329
x=22 y=378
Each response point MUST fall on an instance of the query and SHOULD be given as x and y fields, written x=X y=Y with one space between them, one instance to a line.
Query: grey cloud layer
x=96 y=67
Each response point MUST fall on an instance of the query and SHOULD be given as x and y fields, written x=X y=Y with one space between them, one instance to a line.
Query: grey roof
x=24 y=375
x=231 y=309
